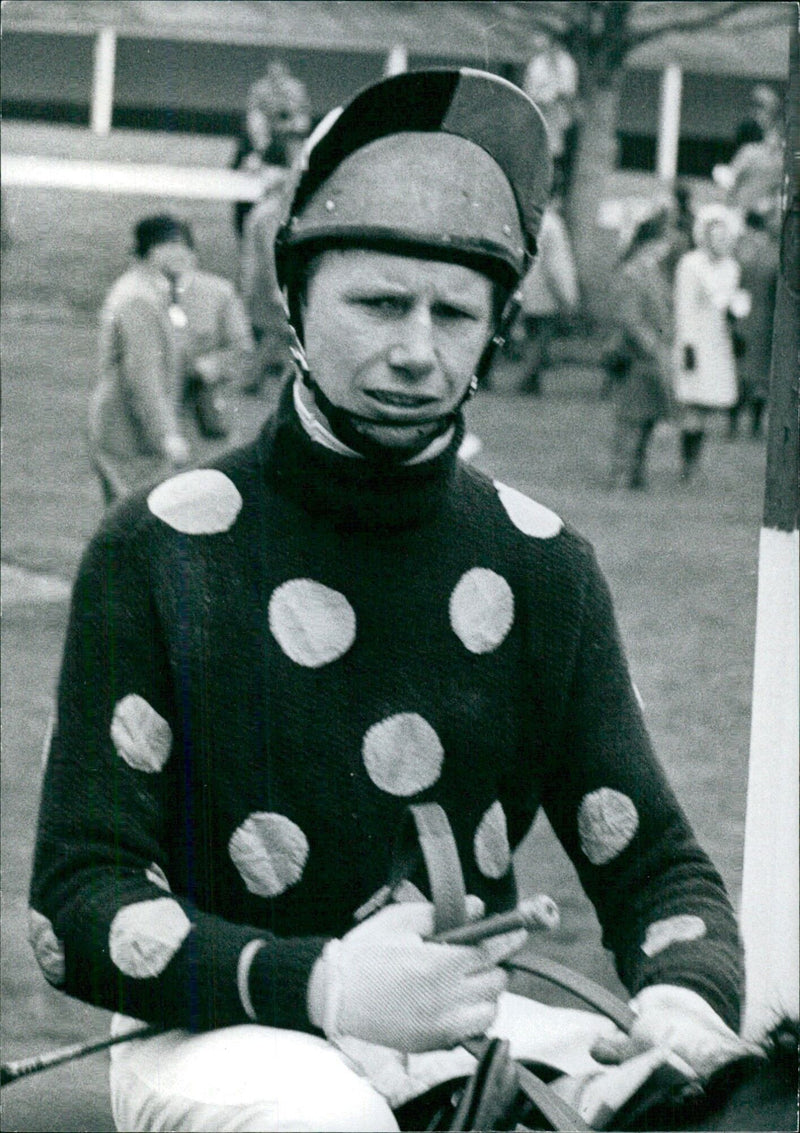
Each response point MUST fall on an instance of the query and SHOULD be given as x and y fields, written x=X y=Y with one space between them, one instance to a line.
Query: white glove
x=680 y=1021
x=741 y=304
x=384 y=983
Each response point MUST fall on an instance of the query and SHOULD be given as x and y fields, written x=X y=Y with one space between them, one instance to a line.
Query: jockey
x=270 y=658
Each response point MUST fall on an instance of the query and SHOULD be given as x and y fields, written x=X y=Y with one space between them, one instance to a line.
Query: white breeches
x=261 y=1078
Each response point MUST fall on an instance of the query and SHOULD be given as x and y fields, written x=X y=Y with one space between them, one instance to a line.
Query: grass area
x=681 y=562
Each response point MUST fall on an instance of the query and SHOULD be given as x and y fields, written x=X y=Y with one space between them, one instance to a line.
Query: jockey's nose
x=414 y=352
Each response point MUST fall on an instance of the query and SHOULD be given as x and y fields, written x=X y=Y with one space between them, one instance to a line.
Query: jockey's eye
x=388 y=306
x=452 y=313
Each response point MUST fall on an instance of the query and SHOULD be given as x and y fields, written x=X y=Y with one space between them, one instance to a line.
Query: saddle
x=504 y=1092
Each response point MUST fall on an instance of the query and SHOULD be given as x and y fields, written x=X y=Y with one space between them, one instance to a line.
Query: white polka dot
x=672 y=930
x=155 y=874
x=492 y=851
x=201 y=502
x=47 y=948
x=403 y=754
x=607 y=822
x=142 y=737
x=526 y=515
x=144 y=937
x=481 y=609
x=270 y=852
x=313 y=624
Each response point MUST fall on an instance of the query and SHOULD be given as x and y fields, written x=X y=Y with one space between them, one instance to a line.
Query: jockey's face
x=394 y=339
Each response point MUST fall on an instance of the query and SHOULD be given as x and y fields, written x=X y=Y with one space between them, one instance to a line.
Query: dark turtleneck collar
x=353 y=493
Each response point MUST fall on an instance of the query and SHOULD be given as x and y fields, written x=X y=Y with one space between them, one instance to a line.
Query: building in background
x=186 y=66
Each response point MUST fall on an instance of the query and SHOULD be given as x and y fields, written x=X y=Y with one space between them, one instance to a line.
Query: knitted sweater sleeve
x=662 y=905
x=105 y=924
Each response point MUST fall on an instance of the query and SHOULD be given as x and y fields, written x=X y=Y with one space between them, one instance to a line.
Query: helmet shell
x=453 y=164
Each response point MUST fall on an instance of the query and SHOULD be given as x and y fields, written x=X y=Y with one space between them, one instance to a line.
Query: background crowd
x=690 y=340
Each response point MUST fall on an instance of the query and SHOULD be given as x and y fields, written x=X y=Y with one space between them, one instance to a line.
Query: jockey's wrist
x=272 y=977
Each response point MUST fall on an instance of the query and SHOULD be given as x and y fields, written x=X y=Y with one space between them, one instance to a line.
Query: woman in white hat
x=707 y=297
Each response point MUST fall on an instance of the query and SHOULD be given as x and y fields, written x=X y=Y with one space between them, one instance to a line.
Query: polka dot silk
x=142 y=737
x=313 y=624
x=607 y=822
x=201 y=502
x=402 y=754
x=145 y=936
x=529 y=517
x=47 y=948
x=267 y=661
x=481 y=609
x=672 y=930
x=270 y=852
x=492 y=851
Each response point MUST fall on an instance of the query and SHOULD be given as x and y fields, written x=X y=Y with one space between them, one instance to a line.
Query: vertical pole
x=105 y=51
x=770 y=887
x=397 y=60
x=669 y=122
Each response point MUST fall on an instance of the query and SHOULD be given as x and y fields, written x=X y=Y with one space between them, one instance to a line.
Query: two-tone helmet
x=444 y=164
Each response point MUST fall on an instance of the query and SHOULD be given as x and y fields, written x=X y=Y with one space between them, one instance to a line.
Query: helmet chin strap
x=345 y=425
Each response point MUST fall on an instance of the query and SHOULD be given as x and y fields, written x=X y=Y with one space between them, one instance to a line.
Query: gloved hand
x=679 y=1020
x=384 y=983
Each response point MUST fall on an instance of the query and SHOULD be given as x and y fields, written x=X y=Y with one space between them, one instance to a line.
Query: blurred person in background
x=707 y=297
x=277 y=118
x=283 y=107
x=753 y=179
x=642 y=390
x=766 y=109
x=548 y=295
x=678 y=212
x=680 y=225
x=171 y=338
x=757 y=254
x=551 y=80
